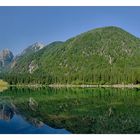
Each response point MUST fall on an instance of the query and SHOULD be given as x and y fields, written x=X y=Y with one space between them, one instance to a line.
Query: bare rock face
x=33 y=48
x=32 y=67
x=6 y=57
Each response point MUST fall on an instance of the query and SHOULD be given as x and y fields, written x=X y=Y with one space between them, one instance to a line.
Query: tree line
x=101 y=76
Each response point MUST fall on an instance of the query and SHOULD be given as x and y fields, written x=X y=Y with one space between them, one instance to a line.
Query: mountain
x=100 y=56
x=28 y=61
x=33 y=48
x=6 y=57
x=29 y=51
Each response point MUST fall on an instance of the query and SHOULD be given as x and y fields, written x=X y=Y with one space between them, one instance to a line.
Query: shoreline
x=3 y=85
x=95 y=86
x=78 y=86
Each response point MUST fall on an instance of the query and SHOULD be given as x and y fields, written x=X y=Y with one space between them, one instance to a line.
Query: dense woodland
x=107 y=76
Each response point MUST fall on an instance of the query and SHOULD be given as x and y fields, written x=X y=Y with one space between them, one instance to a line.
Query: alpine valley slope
x=107 y=55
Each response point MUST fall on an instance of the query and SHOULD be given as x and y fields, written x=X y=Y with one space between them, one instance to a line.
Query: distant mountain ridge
x=6 y=57
x=33 y=48
x=28 y=61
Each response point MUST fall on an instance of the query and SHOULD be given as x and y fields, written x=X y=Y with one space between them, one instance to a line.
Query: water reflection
x=2 y=88
x=48 y=110
x=7 y=108
x=18 y=125
x=11 y=122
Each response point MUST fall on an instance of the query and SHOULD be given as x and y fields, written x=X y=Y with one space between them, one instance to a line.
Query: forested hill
x=107 y=55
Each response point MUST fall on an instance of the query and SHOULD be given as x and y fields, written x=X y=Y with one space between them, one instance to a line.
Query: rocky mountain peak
x=33 y=48
x=6 y=56
x=37 y=46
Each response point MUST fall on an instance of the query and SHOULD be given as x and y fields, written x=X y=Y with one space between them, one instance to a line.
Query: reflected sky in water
x=17 y=125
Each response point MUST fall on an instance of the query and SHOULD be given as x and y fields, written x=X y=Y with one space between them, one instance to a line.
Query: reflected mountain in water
x=7 y=111
x=78 y=110
x=14 y=123
x=33 y=104
x=36 y=123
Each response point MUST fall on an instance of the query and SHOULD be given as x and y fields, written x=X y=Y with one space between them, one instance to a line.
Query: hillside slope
x=29 y=60
x=101 y=56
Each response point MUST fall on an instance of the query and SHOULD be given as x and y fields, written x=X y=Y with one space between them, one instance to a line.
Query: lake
x=69 y=111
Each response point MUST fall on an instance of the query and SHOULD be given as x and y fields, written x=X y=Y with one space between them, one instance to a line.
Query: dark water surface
x=73 y=110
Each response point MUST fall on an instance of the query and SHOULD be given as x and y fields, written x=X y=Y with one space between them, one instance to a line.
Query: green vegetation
x=106 y=55
x=78 y=110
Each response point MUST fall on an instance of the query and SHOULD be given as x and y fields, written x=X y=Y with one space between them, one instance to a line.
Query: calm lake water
x=72 y=110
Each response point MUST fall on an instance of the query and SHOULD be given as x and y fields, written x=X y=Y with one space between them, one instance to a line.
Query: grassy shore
x=3 y=85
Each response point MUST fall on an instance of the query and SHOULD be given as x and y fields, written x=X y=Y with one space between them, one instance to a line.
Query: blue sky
x=23 y=26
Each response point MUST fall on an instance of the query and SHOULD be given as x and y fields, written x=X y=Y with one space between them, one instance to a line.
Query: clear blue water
x=18 y=125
